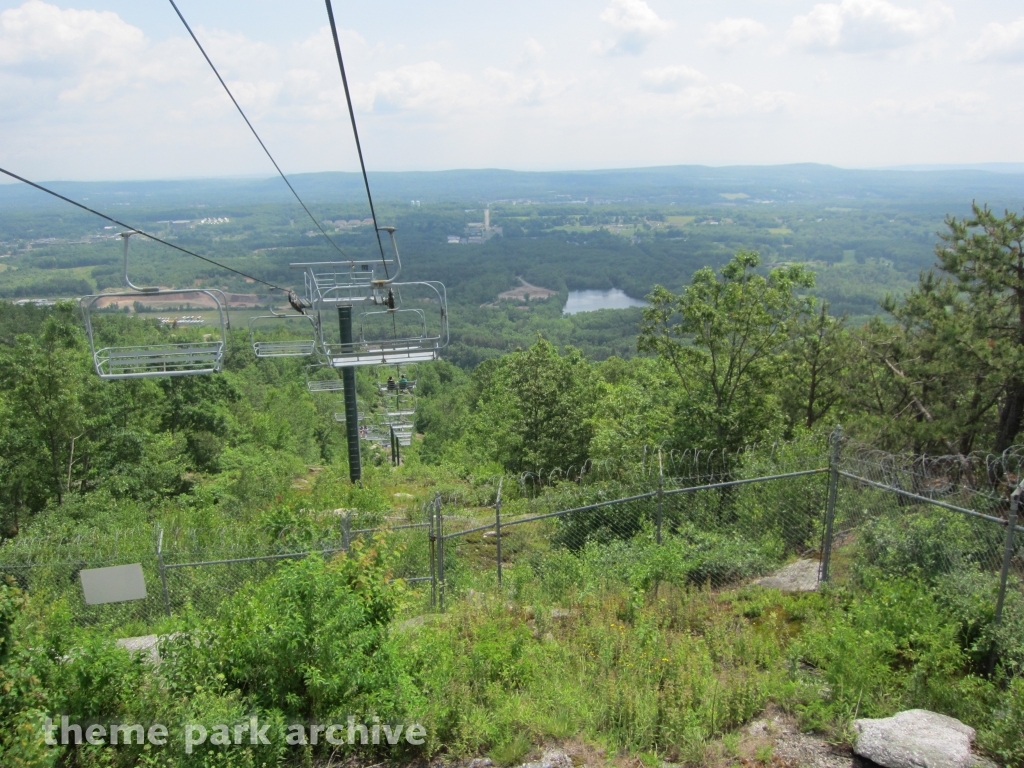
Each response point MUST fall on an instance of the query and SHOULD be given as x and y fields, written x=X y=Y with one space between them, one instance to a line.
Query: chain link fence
x=951 y=521
x=842 y=512
x=718 y=526
x=906 y=514
x=195 y=571
x=845 y=513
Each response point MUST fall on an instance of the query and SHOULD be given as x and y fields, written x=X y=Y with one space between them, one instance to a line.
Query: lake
x=588 y=301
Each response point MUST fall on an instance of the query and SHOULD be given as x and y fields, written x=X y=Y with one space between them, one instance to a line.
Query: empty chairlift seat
x=340 y=418
x=283 y=335
x=325 y=385
x=157 y=353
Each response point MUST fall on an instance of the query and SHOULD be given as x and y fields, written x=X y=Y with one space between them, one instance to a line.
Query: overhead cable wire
x=137 y=231
x=267 y=151
x=355 y=131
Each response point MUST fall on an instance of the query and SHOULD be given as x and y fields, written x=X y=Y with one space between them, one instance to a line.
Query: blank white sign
x=116 y=584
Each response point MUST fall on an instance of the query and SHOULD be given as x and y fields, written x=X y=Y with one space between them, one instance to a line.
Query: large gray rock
x=798 y=576
x=552 y=758
x=148 y=644
x=916 y=738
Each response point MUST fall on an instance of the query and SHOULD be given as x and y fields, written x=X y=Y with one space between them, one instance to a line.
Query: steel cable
x=355 y=132
x=264 y=146
x=138 y=231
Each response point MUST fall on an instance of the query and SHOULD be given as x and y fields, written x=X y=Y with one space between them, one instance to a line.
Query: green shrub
x=891 y=648
x=1003 y=735
x=313 y=641
x=23 y=694
x=925 y=541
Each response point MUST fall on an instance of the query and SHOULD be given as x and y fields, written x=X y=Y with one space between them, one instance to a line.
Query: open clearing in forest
x=526 y=292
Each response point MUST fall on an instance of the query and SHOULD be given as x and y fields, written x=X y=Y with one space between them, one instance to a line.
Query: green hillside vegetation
x=647 y=657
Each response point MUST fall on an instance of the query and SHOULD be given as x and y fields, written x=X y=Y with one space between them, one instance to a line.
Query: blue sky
x=109 y=89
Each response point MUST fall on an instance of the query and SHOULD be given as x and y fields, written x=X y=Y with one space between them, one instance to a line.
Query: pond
x=588 y=301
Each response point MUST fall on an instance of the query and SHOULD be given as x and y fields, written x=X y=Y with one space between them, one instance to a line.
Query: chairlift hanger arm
x=398 y=260
x=125 y=236
x=223 y=302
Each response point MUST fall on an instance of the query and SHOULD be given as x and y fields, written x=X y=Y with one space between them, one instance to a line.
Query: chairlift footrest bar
x=159 y=360
x=327 y=385
x=383 y=357
x=341 y=419
x=265 y=349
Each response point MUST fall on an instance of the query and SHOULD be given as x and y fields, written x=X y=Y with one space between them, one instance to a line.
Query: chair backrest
x=283 y=335
x=158 y=356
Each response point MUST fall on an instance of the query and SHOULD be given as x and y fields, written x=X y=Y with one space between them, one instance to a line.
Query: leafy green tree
x=724 y=336
x=984 y=255
x=45 y=384
x=948 y=374
x=535 y=409
x=817 y=362
x=634 y=411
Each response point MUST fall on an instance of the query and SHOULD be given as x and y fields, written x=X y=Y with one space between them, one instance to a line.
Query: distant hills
x=999 y=184
x=990 y=167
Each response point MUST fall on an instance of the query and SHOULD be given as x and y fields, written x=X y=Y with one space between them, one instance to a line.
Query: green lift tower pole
x=348 y=377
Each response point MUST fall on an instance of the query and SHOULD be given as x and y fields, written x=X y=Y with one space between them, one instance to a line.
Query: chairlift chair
x=388 y=331
x=141 y=361
x=329 y=385
x=377 y=435
x=399 y=403
x=409 y=387
x=340 y=417
x=401 y=425
x=326 y=385
x=302 y=341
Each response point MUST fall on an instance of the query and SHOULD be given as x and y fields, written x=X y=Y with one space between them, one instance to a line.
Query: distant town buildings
x=192 y=223
x=36 y=302
x=183 y=320
x=349 y=224
x=476 y=231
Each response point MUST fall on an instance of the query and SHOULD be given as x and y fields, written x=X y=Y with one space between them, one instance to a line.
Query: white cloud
x=81 y=54
x=730 y=33
x=39 y=33
x=670 y=79
x=702 y=100
x=533 y=51
x=82 y=79
x=506 y=88
x=946 y=103
x=430 y=90
x=999 y=43
x=422 y=87
x=86 y=94
x=865 y=25
x=730 y=100
x=636 y=25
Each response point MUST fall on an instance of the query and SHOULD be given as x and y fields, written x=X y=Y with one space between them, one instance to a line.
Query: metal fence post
x=830 y=509
x=346 y=530
x=497 y=527
x=661 y=494
x=433 y=555
x=440 y=550
x=163 y=571
x=1004 y=574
